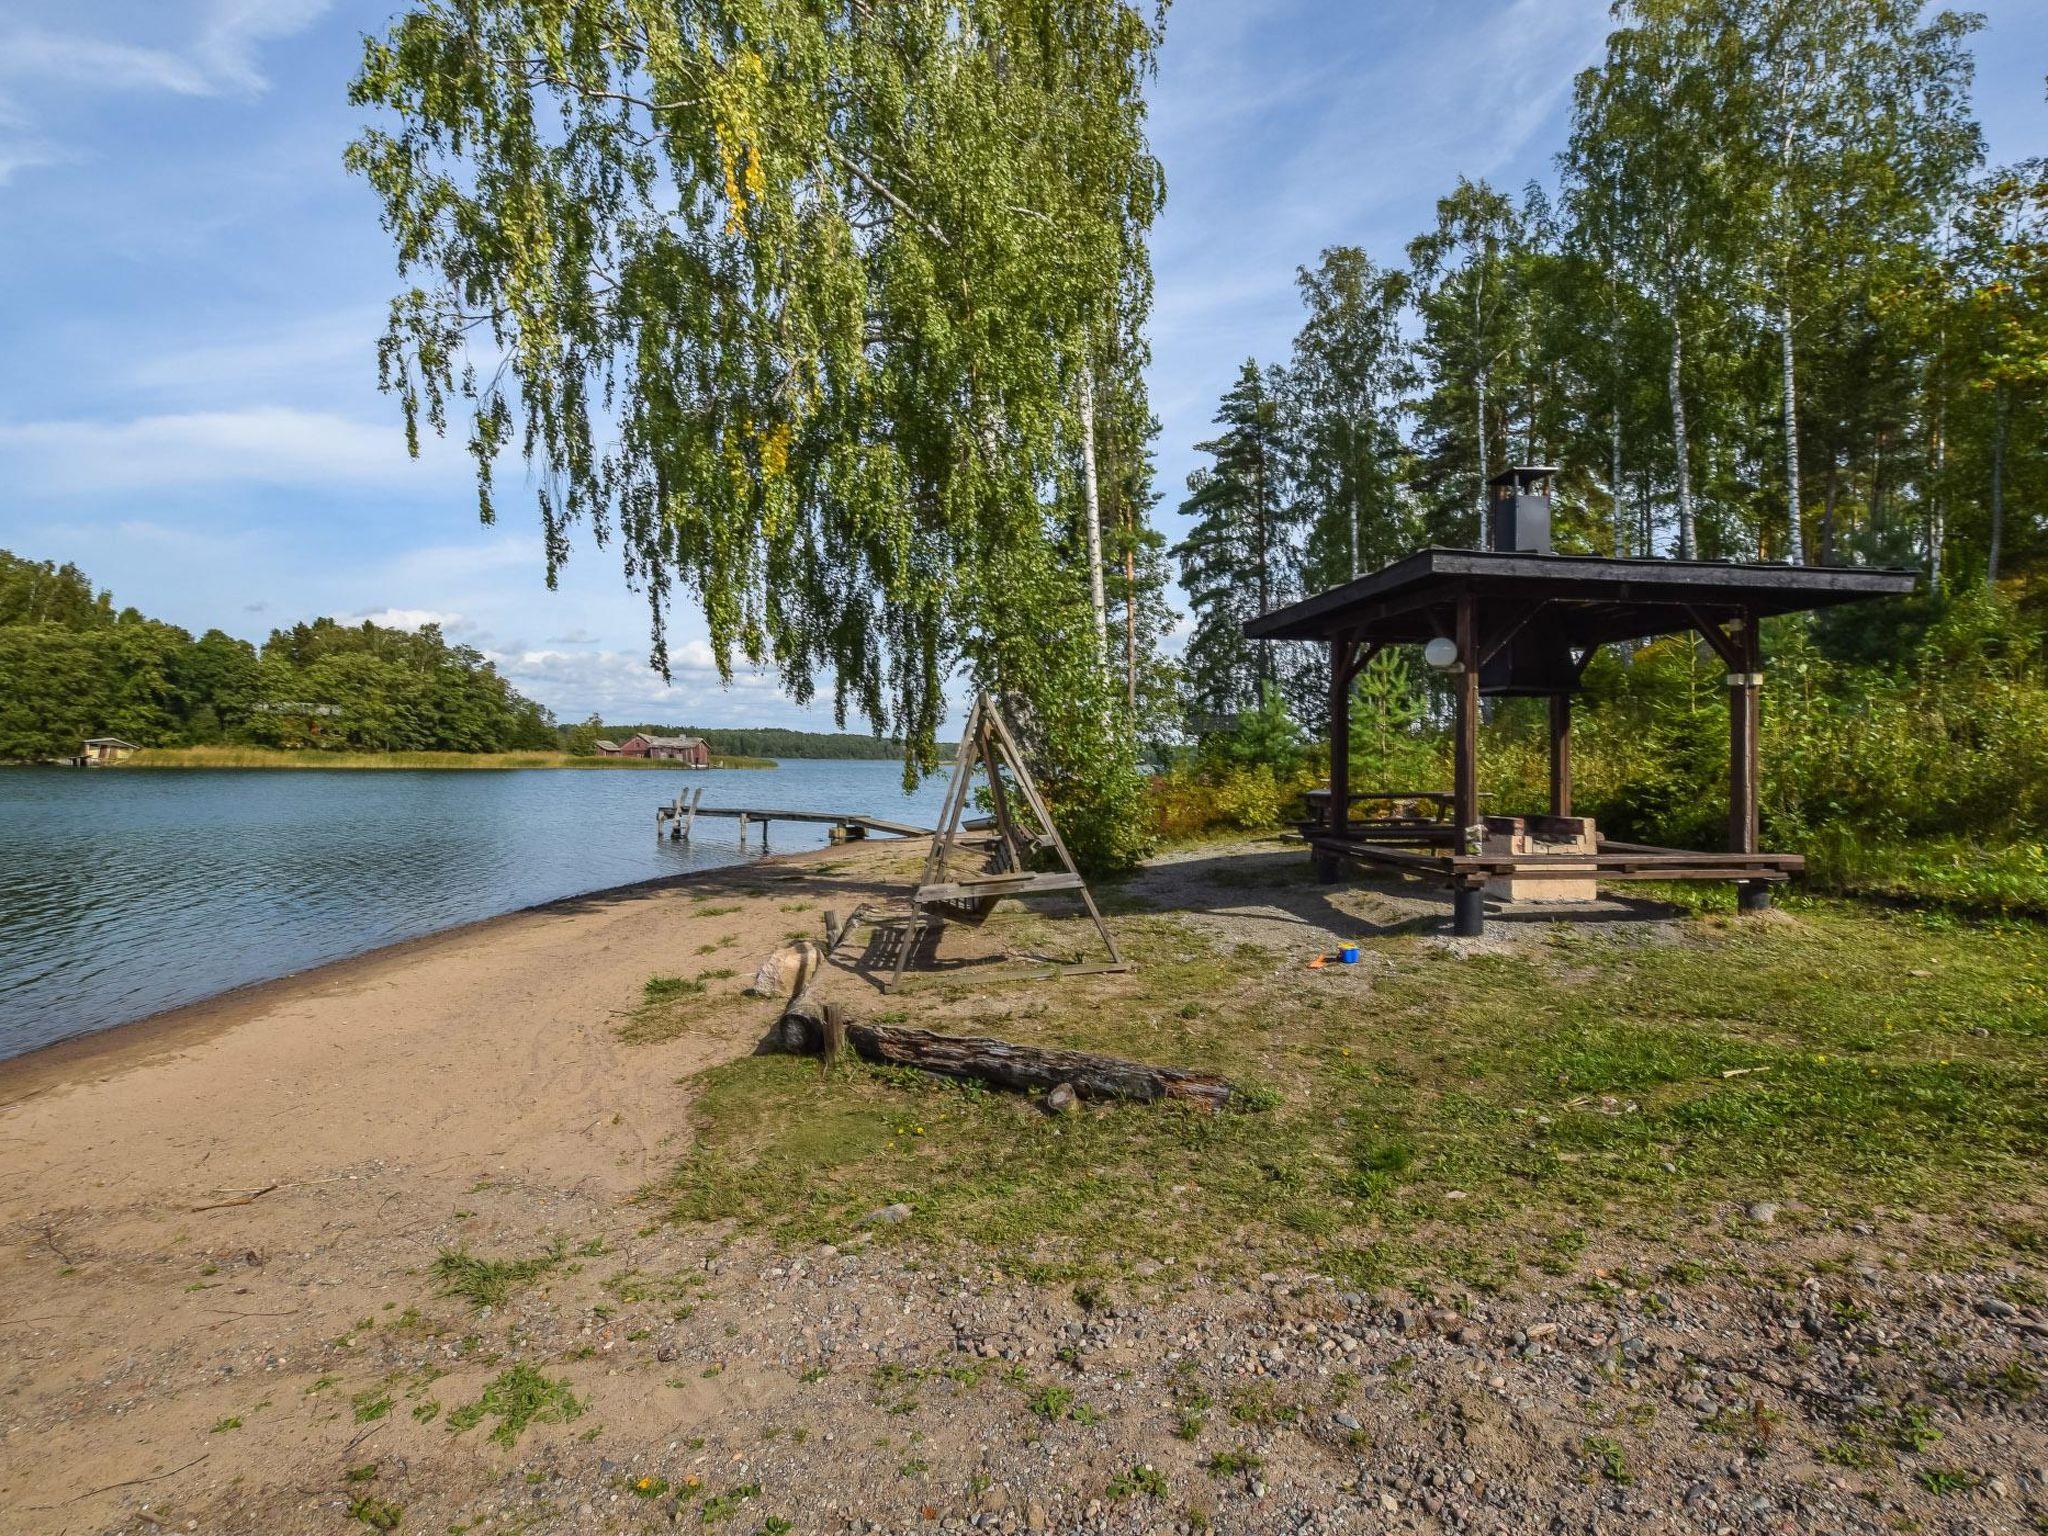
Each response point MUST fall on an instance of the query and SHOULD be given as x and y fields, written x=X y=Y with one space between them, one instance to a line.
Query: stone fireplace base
x=1519 y=836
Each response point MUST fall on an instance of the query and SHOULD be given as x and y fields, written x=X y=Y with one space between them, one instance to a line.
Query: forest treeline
x=72 y=665
x=1773 y=306
x=741 y=741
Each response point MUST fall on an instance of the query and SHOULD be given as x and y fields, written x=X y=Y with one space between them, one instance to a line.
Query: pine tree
x=1349 y=373
x=1236 y=561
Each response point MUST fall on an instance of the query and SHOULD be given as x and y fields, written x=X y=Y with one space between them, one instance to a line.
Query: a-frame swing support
x=1003 y=849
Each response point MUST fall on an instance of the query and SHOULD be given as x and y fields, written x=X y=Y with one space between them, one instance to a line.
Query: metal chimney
x=1518 y=510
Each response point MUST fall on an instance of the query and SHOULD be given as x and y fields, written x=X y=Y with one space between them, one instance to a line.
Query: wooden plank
x=994 y=888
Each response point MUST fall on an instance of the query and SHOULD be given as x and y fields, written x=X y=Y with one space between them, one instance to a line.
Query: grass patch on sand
x=274 y=757
x=1437 y=1114
x=668 y=1007
x=517 y=1398
x=490 y=1282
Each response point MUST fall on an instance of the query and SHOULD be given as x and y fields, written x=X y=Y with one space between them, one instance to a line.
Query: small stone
x=1762 y=1212
x=1034 y=1516
x=1344 y=1420
x=1060 y=1100
x=888 y=1215
x=1996 y=1306
x=666 y=1353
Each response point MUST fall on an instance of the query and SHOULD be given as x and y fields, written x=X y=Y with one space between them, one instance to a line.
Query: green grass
x=274 y=757
x=1952 y=875
x=671 y=1005
x=490 y=1282
x=518 y=1398
x=1466 y=1118
x=377 y=1514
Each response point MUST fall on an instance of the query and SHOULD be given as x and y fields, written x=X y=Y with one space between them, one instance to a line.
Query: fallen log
x=810 y=1027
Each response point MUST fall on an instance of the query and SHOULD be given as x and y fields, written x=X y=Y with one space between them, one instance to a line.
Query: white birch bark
x=1681 y=444
x=1485 y=538
x=1795 y=541
x=1616 y=515
x=1091 y=497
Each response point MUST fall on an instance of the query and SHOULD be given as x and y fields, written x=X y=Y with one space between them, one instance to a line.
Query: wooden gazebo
x=1519 y=620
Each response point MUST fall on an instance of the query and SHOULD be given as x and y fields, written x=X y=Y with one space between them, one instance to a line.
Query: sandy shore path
x=195 y=1210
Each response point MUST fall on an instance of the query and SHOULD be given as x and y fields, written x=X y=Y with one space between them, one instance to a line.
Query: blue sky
x=193 y=290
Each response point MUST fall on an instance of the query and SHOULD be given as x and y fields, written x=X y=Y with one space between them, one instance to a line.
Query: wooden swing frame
x=1004 y=845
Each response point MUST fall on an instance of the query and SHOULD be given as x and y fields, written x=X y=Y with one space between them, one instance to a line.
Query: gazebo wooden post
x=1468 y=901
x=1745 y=718
x=1337 y=815
x=1560 y=754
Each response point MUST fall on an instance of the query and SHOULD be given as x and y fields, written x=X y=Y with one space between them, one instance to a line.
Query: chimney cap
x=1523 y=474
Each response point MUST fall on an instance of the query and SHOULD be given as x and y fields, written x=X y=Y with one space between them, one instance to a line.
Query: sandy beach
x=191 y=1203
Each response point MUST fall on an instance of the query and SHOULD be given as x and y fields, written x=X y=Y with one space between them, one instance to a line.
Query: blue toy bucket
x=1349 y=954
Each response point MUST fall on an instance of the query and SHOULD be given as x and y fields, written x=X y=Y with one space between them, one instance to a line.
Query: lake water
x=126 y=892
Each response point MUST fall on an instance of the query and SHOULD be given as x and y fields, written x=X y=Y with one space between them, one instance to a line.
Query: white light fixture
x=1441 y=653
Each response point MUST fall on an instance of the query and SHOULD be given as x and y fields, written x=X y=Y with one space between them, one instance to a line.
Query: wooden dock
x=679 y=818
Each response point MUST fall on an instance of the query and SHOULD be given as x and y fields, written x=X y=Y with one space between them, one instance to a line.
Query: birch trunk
x=1681 y=445
x=1351 y=470
x=1485 y=540
x=1131 y=615
x=1795 y=539
x=1937 y=517
x=1614 y=481
x=1091 y=497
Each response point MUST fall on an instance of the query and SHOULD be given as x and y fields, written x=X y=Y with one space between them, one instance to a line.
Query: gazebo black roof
x=1521 y=620
x=1594 y=599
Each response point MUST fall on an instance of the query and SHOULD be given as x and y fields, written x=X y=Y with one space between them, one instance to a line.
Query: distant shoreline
x=262 y=758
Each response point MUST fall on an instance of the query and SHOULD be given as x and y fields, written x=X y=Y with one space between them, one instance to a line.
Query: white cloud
x=235 y=30
x=68 y=58
x=340 y=346
x=406 y=618
x=273 y=445
x=222 y=55
x=621 y=686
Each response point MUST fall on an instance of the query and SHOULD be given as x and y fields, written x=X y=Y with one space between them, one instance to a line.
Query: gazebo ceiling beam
x=1513 y=623
x=1728 y=649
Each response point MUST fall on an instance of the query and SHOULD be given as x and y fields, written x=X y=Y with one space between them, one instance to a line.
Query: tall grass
x=273 y=757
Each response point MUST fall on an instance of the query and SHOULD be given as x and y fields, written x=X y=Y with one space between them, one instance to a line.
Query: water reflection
x=126 y=892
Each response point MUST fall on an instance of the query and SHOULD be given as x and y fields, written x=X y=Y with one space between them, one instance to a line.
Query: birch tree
x=1463 y=272
x=1650 y=176
x=1861 y=133
x=786 y=302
